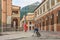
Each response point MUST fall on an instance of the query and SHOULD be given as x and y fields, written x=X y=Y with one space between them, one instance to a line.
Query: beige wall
x=16 y=15
x=6 y=13
x=9 y=11
x=6 y=10
x=41 y=15
x=9 y=7
x=30 y=18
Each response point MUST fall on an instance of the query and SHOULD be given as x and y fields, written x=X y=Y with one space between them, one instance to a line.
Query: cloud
x=23 y=3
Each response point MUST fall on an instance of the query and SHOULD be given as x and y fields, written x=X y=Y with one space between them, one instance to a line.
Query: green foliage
x=29 y=8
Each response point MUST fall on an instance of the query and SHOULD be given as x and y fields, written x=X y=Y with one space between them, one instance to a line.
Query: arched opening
x=33 y=28
x=15 y=23
x=40 y=24
x=30 y=28
x=43 y=25
x=47 y=23
x=52 y=22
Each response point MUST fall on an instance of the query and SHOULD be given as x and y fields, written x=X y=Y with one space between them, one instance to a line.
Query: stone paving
x=15 y=35
x=36 y=38
x=28 y=36
x=44 y=36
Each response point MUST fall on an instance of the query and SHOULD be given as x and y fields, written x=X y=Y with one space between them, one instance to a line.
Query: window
x=52 y=20
x=40 y=24
x=29 y=27
x=15 y=12
x=35 y=14
x=47 y=21
x=52 y=2
x=43 y=24
x=29 y=22
x=43 y=8
x=58 y=0
x=48 y=6
x=40 y=10
x=33 y=27
x=58 y=16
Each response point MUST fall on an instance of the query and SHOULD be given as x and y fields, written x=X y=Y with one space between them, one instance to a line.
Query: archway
x=47 y=23
x=30 y=28
x=15 y=23
x=52 y=22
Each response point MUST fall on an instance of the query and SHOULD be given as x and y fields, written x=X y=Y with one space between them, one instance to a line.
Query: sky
x=23 y=3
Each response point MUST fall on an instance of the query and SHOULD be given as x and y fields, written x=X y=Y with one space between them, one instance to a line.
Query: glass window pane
x=47 y=21
x=52 y=2
x=43 y=8
x=48 y=6
x=52 y=20
x=58 y=16
x=40 y=10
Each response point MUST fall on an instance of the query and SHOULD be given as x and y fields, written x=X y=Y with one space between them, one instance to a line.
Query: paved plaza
x=28 y=36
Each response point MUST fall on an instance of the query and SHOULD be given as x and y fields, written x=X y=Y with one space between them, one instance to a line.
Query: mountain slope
x=29 y=8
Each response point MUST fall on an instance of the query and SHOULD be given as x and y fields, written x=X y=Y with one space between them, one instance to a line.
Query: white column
x=50 y=3
x=55 y=27
x=55 y=2
x=28 y=25
x=14 y=23
x=45 y=7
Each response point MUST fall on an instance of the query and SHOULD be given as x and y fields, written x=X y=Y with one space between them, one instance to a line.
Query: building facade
x=30 y=21
x=22 y=23
x=47 y=15
x=6 y=15
x=15 y=20
x=5 y=11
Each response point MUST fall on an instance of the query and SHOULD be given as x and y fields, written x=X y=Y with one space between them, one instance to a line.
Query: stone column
x=28 y=25
x=18 y=23
x=55 y=2
x=55 y=21
x=50 y=3
x=45 y=24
